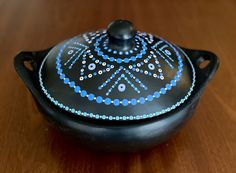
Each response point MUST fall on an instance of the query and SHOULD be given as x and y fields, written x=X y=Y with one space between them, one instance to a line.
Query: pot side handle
x=199 y=58
x=27 y=64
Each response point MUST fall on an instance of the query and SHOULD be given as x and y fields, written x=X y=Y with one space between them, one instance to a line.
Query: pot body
x=110 y=135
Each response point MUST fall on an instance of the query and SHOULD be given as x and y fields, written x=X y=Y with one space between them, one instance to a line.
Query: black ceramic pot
x=117 y=89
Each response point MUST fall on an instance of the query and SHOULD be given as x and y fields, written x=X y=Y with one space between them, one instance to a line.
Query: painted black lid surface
x=117 y=74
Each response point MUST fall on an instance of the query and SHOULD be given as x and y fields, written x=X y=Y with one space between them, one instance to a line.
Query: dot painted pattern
x=120 y=78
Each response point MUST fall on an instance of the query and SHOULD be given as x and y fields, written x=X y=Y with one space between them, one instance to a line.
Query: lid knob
x=121 y=34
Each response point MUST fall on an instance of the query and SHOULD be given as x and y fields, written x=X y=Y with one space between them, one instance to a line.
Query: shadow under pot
x=117 y=89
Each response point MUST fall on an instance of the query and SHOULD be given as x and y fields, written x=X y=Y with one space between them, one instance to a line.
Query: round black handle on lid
x=121 y=34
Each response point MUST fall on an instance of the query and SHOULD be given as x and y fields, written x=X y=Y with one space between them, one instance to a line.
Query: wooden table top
x=207 y=144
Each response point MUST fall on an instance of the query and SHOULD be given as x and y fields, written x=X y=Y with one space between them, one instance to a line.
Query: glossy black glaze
x=121 y=34
x=113 y=135
x=67 y=96
x=89 y=75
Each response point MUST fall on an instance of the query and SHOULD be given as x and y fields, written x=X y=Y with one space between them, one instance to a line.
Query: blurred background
x=206 y=144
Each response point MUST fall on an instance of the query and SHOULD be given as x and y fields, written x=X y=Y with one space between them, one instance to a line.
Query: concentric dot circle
x=91 y=66
x=121 y=87
x=70 y=52
x=116 y=59
x=151 y=66
x=167 y=52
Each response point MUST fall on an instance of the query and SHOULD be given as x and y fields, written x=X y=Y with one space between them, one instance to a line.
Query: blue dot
x=99 y=99
x=173 y=82
x=157 y=94
x=133 y=58
x=142 y=100
x=115 y=52
x=133 y=101
x=72 y=84
x=66 y=80
x=91 y=97
x=59 y=66
x=149 y=98
x=119 y=60
x=83 y=93
x=116 y=102
x=126 y=60
x=105 y=57
x=139 y=55
x=111 y=58
x=179 y=73
x=62 y=76
x=125 y=102
x=107 y=101
x=143 y=51
x=168 y=86
x=77 y=89
x=100 y=53
x=177 y=78
x=163 y=91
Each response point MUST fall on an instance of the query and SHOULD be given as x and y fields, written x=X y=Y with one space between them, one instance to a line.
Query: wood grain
x=207 y=144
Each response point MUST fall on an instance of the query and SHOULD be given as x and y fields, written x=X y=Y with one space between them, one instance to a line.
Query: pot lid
x=117 y=74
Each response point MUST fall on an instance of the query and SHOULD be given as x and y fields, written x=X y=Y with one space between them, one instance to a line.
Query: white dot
x=121 y=87
x=151 y=66
x=167 y=52
x=70 y=52
x=91 y=66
